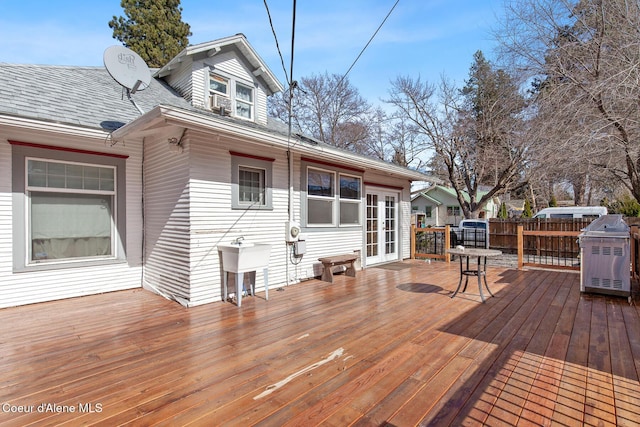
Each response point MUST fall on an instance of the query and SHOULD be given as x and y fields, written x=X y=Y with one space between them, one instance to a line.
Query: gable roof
x=239 y=42
x=424 y=195
x=88 y=97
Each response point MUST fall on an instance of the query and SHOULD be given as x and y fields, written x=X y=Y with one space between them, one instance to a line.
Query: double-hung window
x=333 y=199
x=321 y=197
x=70 y=210
x=244 y=101
x=349 y=200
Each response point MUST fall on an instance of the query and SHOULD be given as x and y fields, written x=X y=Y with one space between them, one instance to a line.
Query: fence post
x=413 y=241
x=447 y=243
x=520 y=240
x=634 y=247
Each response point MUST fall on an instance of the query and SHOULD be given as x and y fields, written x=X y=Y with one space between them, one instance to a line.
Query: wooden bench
x=332 y=261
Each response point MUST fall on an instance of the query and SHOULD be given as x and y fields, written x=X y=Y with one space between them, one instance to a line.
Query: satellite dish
x=127 y=68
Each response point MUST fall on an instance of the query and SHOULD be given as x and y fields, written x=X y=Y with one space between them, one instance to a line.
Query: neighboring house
x=438 y=206
x=97 y=197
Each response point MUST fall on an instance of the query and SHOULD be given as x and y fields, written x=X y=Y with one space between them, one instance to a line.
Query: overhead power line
x=369 y=42
x=273 y=30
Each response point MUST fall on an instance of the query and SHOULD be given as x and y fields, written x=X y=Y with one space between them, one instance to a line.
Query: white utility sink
x=243 y=257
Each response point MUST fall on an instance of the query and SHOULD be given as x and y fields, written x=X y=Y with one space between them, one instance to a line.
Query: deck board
x=388 y=347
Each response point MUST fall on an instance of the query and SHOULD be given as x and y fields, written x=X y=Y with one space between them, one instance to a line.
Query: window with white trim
x=427 y=211
x=218 y=85
x=251 y=182
x=333 y=199
x=320 y=197
x=251 y=186
x=70 y=210
x=453 y=210
x=350 y=200
x=68 y=207
x=244 y=101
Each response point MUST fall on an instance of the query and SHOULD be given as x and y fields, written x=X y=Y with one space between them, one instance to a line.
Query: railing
x=431 y=242
x=548 y=249
x=554 y=249
x=470 y=237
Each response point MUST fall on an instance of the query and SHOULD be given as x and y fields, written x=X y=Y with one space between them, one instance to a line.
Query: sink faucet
x=239 y=240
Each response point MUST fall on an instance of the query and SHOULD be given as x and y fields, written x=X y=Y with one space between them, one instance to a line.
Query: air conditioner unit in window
x=221 y=104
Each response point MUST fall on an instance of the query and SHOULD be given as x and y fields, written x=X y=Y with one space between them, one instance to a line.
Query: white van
x=572 y=212
x=473 y=233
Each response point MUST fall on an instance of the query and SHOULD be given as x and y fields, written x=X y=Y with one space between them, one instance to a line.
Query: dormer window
x=228 y=96
x=244 y=101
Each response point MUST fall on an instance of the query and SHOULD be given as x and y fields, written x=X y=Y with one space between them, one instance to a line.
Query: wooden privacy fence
x=504 y=232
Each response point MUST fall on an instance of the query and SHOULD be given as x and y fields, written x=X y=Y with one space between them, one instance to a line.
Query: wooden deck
x=388 y=347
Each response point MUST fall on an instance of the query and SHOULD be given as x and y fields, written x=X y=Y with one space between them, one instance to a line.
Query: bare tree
x=476 y=133
x=585 y=56
x=329 y=108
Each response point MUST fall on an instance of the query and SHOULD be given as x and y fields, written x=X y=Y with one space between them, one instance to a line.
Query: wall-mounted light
x=175 y=144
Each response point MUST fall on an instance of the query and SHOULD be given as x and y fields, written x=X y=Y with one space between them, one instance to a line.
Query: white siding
x=230 y=66
x=261 y=106
x=181 y=81
x=26 y=287
x=166 y=196
x=214 y=222
x=200 y=87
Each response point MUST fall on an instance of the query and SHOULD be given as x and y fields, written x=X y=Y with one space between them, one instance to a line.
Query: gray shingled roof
x=89 y=97
x=85 y=96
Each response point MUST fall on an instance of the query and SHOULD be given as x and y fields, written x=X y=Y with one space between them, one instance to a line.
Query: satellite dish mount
x=128 y=69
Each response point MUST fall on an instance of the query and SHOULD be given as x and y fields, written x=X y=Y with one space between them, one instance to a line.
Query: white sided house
x=99 y=192
x=438 y=206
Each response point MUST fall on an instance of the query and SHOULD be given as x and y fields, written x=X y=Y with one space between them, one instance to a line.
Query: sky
x=420 y=38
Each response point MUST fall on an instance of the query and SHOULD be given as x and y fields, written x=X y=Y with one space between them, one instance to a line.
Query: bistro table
x=480 y=271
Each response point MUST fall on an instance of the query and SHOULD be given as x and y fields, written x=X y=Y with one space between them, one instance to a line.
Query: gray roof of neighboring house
x=85 y=96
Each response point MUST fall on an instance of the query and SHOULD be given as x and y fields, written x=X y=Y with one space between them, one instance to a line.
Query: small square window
x=251 y=182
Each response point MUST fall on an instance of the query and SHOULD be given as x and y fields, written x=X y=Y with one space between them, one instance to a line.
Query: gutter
x=161 y=116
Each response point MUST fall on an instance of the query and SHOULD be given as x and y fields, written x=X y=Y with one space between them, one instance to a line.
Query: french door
x=382 y=227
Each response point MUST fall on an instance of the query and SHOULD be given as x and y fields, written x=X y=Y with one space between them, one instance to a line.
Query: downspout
x=144 y=215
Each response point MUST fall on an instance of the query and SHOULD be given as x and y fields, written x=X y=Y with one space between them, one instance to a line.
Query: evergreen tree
x=553 y=202
x=626 y=205
x=153 y=29
x=527 y=212
x=503 y=213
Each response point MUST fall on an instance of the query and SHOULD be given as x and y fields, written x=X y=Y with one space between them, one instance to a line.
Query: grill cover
x=607 y=225
x=604 y=257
